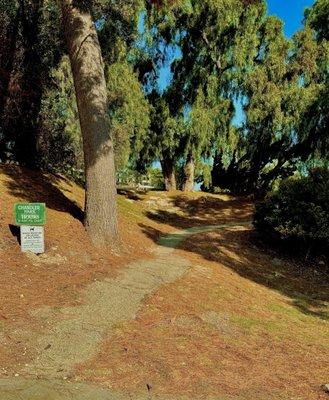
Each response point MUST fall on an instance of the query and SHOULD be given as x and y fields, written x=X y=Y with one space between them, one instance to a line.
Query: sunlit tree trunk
x=188 y=184
x=90 y=86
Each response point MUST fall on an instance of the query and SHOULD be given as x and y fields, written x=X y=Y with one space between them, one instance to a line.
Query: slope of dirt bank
x=28 y=282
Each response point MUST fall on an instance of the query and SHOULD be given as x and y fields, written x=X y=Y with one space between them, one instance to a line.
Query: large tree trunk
x=90 y=86
x=168 y=171
x=188 y=184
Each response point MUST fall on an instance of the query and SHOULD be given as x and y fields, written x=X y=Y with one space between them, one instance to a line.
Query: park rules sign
x=32 y=239
x=31 y=217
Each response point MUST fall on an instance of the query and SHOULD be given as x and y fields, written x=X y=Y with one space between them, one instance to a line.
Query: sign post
x=31 y=217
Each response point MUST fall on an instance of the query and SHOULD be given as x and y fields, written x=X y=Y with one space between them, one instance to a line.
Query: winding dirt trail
x=75 y=333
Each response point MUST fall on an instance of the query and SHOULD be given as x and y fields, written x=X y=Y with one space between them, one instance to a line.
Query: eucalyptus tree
x=214 y=44
x=128 y=107
x=207 y=115
x=155 y=50
x=91 y=93
x=32 y=35
x=116 y=24
x=285 y=106
x=217 y=41
x=269 y=90
x=314 y=123
x=164 y=139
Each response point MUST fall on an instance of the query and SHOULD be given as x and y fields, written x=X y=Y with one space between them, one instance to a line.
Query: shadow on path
x=240 y=251
x=201 y=211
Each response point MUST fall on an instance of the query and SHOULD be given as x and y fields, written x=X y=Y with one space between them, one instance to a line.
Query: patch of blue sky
x=290 y=11
x=99 y=24
x=239 y=117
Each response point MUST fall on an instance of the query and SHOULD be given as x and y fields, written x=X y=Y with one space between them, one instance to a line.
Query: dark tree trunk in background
x=90 y=86
x=188 y=184
x=233 y=178
x=217 y=170
x=168 y=170
x=26 y=142
x=22 y=84
x=7 y=58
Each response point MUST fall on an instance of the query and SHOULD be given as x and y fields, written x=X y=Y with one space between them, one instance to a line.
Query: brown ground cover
x=243 y=323
x=70 y=262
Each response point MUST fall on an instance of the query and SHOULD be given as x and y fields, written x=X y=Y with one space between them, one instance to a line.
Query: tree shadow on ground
x=37 y=187
x=241 y=251
x=131 y=194
x=15 y=231
x=183 y=212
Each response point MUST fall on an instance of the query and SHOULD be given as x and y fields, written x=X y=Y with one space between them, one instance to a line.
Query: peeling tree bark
x=90 y=86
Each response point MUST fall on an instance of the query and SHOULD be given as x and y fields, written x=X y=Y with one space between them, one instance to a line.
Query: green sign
x=30 y=213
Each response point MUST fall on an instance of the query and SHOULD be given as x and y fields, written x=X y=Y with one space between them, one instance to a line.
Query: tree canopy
x=190 y=83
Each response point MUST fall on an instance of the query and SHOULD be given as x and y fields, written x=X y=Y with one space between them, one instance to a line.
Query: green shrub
x=155 y=178
x=298 y=213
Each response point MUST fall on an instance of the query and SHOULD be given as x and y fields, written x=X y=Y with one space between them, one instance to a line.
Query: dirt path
x=28 y=389
x=76 y=332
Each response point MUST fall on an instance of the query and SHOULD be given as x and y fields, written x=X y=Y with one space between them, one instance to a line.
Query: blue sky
x=290 y=11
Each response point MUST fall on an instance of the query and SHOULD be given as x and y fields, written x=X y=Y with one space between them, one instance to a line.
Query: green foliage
x=285 y=100
x=8 y=9
x=30 y=46
x=60 y=143
x=218 y=46
x=203 y=174
x=298 y=212
x=117 y=27
x=32 y=33
x=155 y=178
x=128 y=110
x=215 y=43
x=164 y=135
x=217 y=52
x=205 y=123
x=128 y=176
x=318 y=17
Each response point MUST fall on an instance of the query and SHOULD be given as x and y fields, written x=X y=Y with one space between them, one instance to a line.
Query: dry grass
x=238 y=325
